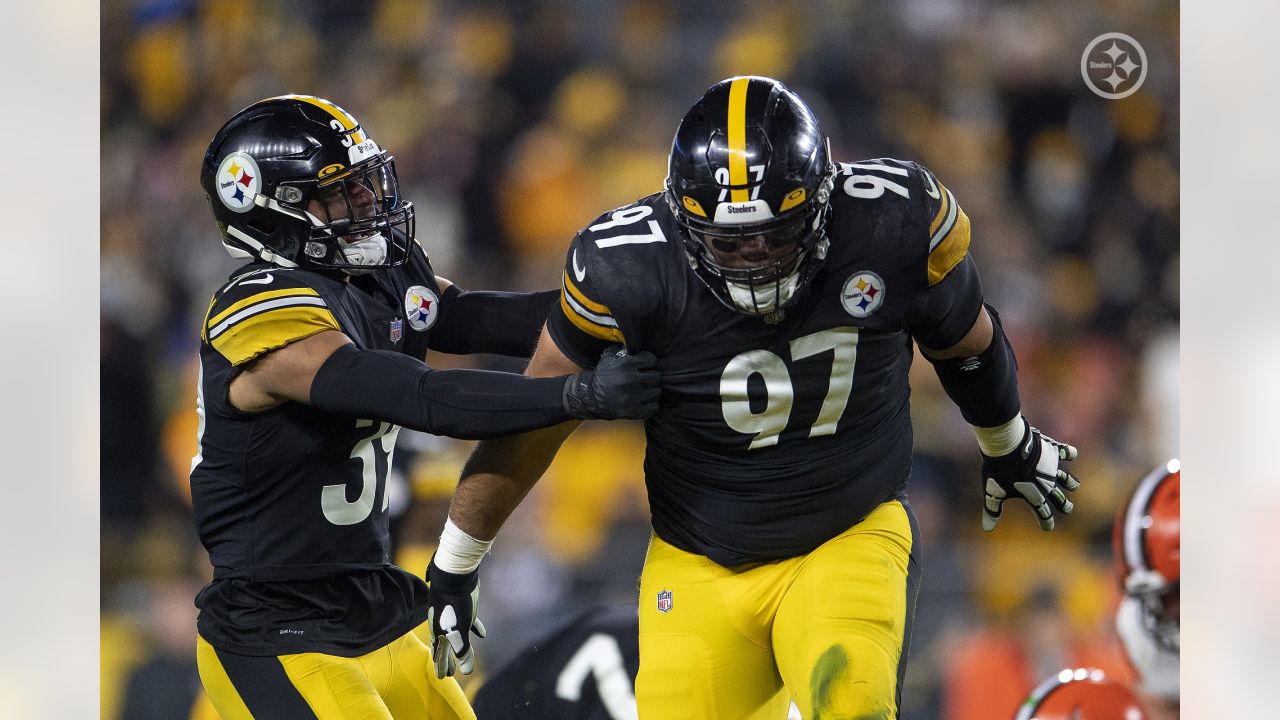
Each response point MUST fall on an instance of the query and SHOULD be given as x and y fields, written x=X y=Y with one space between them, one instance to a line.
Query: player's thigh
x=842 y=630
x=243 y=687
x=414 y=690
x=695 y=660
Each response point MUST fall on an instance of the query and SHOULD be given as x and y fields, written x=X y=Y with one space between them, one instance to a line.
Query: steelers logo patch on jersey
x=863 y=292
x=238 y=181
x=421 y=307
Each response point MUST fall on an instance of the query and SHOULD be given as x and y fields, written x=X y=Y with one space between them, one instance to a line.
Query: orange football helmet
x=1147 y=543
x=1081 y=694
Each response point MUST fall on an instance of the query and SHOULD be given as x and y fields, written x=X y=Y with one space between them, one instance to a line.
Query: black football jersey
x=773 y=438
x=291 y=503
x=584 y=670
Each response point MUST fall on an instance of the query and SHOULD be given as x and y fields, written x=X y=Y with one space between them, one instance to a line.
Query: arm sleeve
x=502 y=323
x=944 y=312
x=466 y=404
x=984 y=387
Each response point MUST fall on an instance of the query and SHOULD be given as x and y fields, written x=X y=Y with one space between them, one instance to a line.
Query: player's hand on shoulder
x=1034 y=472
x=454 y=599
x=621 y=386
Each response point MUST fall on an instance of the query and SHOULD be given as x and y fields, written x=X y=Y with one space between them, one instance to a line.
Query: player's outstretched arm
x=328 y=371
x=980 y=374
x=496 y=478
x=490 y=321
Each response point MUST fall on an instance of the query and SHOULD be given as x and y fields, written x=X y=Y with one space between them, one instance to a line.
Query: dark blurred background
x=515 y=125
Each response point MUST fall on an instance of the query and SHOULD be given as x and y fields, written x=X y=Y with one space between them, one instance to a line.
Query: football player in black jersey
x=312 y=358
x=584 y=669
x=782 y=293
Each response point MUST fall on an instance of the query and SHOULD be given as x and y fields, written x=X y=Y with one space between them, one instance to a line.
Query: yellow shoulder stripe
x=602 y=332
x=951 y=249
x=582 y=299
x=942 y=211
x=204 y=329
x=271 y=329
x=259 y=297
x=590 y=317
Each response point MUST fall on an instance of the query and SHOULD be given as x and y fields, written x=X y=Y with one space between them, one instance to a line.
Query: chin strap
x=263 y=252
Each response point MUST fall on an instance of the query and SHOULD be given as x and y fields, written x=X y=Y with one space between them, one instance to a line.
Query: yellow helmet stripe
x=738 y=139
x=344 y=118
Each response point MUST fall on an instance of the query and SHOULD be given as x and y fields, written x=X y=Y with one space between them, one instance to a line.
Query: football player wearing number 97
x=782 y=293
x=311 y=359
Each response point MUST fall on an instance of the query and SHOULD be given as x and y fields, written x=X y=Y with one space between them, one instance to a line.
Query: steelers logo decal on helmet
x=862 y=294
x=238 y=181
x=421 y=307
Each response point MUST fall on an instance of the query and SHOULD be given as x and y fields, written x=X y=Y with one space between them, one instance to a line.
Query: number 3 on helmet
x=296 y=181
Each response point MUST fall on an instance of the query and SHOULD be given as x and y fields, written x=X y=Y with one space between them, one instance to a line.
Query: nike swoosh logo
x=580 y=273
x=930 y=188
x=264 y=280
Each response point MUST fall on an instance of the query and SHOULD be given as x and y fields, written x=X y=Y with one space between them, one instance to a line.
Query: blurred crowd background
x=514 y=124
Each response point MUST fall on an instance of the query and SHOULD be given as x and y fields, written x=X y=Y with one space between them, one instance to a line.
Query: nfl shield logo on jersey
x=397 y=330
x=664 y=601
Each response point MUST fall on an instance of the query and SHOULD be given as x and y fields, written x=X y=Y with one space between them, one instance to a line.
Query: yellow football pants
x=828 y=630
x=397 y=680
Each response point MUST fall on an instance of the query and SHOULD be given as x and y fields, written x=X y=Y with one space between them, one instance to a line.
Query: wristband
x=459 y=553
x=1001 y=439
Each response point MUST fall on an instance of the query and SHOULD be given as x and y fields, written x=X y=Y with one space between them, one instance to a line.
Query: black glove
x=1034 y=472
x=452 y=616
x=620 y=386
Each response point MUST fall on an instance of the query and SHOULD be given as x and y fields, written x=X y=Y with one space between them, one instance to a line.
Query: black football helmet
x=749 y=181
x=296 y=181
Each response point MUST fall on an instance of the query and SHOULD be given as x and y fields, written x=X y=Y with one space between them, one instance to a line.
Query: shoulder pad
x=948 y=227
x=947 y=223
x=926 y=202
x=604 y=263
x=264 y=310
x=884 y=180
